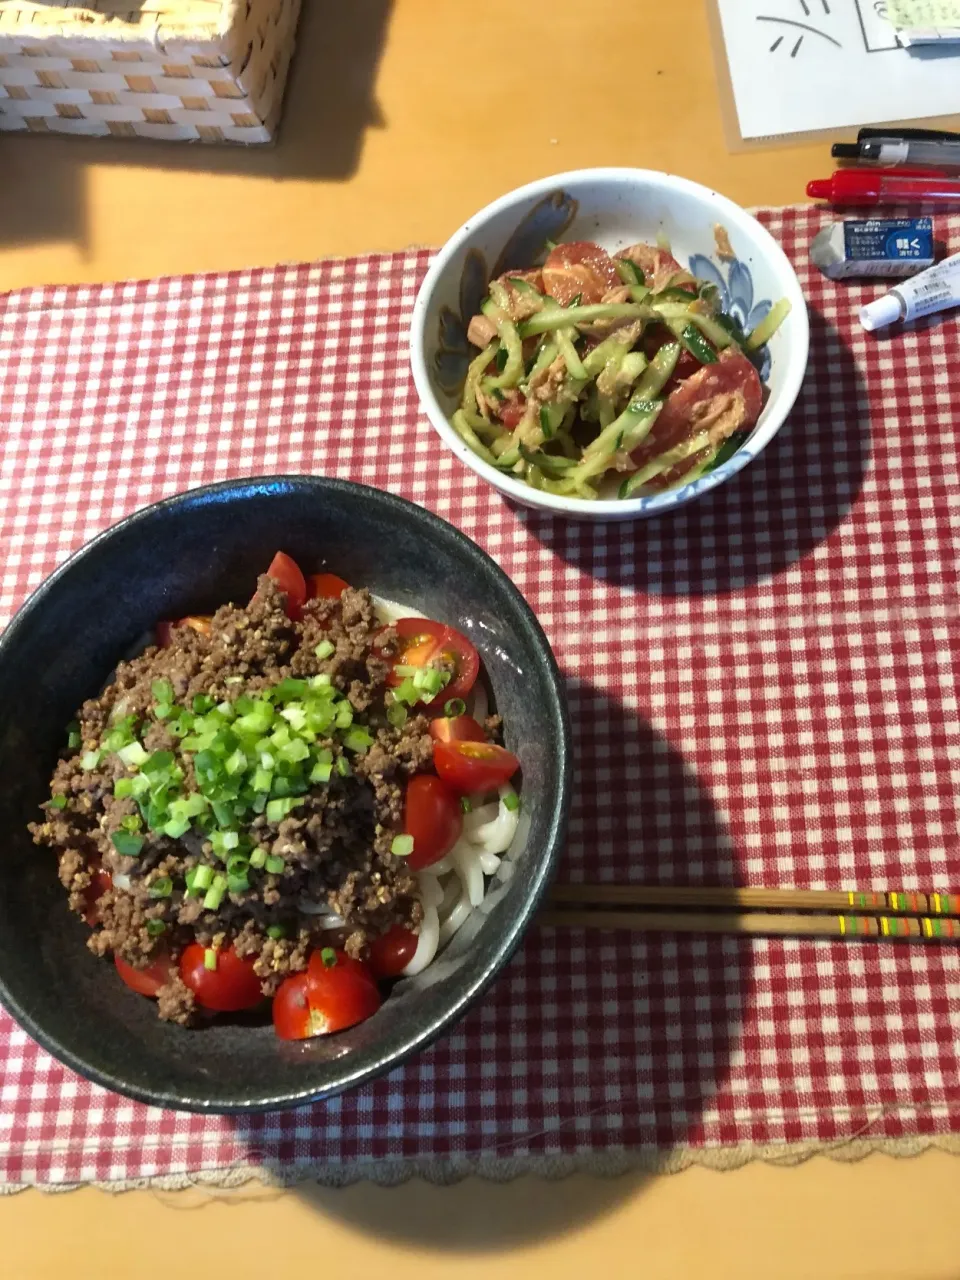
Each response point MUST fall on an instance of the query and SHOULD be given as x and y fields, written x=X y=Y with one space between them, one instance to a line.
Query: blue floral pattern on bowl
x=736 y=298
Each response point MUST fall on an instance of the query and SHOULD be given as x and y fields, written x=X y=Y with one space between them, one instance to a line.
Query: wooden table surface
x=401 y=120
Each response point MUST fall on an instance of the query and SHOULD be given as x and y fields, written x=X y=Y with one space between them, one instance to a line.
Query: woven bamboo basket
x=194 y=70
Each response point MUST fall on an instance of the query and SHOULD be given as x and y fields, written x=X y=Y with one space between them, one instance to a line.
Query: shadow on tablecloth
x=603 y=1043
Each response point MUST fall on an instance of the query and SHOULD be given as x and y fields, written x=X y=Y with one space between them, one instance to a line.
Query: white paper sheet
x=799 y=65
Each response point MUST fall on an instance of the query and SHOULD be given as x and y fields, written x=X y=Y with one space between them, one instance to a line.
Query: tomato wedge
x=433 y=816
x=286 y=574
x=341 y=991
x=579 y=268
x=149 y=980
x=392 y=952
x=231 y=986
x=456 y=729
x=468 y=767
x=98 y=886
x=325 y=586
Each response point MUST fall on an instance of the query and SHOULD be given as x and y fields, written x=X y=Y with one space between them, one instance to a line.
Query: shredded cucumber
x=561 y=317
x=769 y=325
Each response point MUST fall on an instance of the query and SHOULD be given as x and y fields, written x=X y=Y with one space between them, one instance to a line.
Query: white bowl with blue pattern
x=615 y=208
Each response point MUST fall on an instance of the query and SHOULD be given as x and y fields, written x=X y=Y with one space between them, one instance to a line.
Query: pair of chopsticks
x=795 y=913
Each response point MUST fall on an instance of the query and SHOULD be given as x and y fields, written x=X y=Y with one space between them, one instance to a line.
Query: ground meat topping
x=335 y=844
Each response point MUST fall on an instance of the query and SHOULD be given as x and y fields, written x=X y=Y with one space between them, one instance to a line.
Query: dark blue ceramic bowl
x=187 y=555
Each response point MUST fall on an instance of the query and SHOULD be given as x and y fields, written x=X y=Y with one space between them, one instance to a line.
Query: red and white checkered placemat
x=763 y=690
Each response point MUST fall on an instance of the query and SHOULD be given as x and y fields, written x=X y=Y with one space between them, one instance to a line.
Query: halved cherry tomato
x=341 y=991
x=291 y=1009
x=101 y=882
x=469 y=767
x=286 y=574
x=149 y=980
x=392 y=952
x=456 y=729
x=433 y=816
x=420 y=640
x=231 y=986
x=457 y=652
x=579 y=267
x=325 y=586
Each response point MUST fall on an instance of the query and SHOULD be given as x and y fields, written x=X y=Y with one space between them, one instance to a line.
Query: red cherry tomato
x=101 y=882
x=420 y=640
x=291 y=1009
x=579 y=267
x=456 y=729
x=286 y=574
x=433 y=816
x=469 y=767
x=456 y=650
x=149 y=980
x=325 y=586
x=231 y=986
x=341 y=991
x=392 y=952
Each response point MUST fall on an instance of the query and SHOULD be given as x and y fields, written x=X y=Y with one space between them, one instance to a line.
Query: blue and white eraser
x=882 y=247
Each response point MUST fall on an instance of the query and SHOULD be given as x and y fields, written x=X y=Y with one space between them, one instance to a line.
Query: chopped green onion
x=162 y=887
x=162 y=691
x=258 y=858
x=275 y=866
x=132 y=823
x=89 y=760
x=133 y=755
x=402 y=846
x=155 y=928
x=455 y=707
x=397 y=714
x=203 y=876
x=357 y=740
x=214 y=895
x=237 y=884
x=202 y=703
x=511 y=801
x=277 y=810
x=329 y=957
x=407 y=692
x=343 y=767
x=324 y=649
x=210 y=959
x=276 y=931
x=73 y=738
x=127 y=845
x=321 y=681
x=59 y=801
x=163 y=710
x=321 y=772
x=466 y=804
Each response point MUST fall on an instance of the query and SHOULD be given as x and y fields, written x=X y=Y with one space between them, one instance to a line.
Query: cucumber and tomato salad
x=614 y=373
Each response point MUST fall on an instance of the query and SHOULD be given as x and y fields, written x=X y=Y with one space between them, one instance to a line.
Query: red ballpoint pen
x=885 y=186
